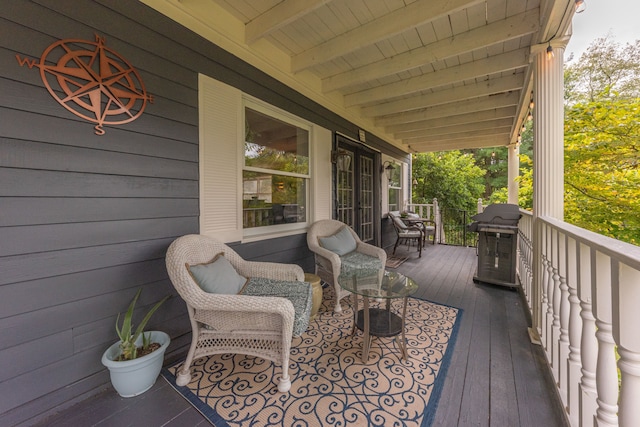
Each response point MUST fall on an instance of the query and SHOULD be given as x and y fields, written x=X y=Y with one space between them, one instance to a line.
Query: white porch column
x=513 y=170
x=548 y=155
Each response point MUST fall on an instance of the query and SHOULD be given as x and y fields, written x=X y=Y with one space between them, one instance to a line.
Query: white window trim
x=258 y=233
x=221 y=159
x=384 y=185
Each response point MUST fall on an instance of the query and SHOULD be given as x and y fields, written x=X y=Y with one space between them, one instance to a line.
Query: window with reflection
x=275 y=175
x=395 y=187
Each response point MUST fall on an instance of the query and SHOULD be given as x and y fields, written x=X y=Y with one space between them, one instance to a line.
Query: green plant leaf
x=127 y=338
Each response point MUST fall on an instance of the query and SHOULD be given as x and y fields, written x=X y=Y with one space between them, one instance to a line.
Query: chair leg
x=337 y=308
x=184 y=374
x=420 y=247
x=395 y=246
x=284 y=385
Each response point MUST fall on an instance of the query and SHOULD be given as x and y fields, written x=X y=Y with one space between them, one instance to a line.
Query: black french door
x=357 y=195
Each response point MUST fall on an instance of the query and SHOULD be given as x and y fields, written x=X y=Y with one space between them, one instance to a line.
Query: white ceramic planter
x=133 y=377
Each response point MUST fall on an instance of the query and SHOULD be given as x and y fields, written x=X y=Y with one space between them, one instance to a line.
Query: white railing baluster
x=555 y=305
x=588 y=306
x=548 y=284
x=606 y=370
x=575 y=331
x=626 y=303
x=547 y=316
x=563 y=347
x=430 y=211
x=589 y=343
x=526 y=229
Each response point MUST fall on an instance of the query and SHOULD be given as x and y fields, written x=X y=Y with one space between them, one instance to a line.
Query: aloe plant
x=127 y=337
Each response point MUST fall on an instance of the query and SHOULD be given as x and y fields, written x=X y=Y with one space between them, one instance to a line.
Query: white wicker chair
x=328 y=264
x=255 y=325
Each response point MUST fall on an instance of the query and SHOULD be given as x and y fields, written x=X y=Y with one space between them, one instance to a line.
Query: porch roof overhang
x=424 y=75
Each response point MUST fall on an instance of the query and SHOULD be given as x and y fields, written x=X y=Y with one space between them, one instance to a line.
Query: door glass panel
x=366 y=199
x=345 y=188
x=357 y=192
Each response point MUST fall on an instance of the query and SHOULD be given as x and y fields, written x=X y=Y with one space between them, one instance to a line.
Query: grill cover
x=497 y=214
x=497 y=229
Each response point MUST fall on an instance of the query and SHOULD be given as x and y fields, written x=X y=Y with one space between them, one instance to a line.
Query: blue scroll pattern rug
x=330 y=385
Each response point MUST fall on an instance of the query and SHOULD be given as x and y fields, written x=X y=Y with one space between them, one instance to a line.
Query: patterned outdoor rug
x=330 y=386
x=395 y=262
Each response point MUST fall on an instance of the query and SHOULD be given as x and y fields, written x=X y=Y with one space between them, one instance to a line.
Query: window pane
x=394 y=199
x=273 y=144
x=395 y=177
x=270 y=199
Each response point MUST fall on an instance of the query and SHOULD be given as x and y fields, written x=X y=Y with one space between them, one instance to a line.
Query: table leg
x=403 y=346
x=366 y=342
x=355 y=313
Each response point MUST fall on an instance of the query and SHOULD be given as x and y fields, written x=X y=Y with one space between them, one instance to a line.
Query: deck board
x=502 y=378
x=496 y=377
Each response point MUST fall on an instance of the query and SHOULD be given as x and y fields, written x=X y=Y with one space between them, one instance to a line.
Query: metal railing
x=451 y=223
x=583 y=291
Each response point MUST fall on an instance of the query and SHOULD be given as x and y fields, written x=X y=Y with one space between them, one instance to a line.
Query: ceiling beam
x=460 y=93
x=459 y=136
x=477 y=38
x=473 y=117
x=278 y=16
x=470 y=70
x=406 y=137
x=388 y=25
x=463 y=107
x=494 y=141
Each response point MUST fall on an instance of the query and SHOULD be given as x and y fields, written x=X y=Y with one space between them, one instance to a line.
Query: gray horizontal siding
x=56 y=237
x=36 y=155
x=85 y=220
x=19 y=125
x=33 y=295
x=18 y=211
x=45 y=183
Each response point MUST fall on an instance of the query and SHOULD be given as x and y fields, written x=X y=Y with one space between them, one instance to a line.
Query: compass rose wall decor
x=91 y=81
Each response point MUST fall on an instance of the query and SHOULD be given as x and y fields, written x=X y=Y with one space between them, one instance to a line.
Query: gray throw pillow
x=341 y=243
x=218 y=276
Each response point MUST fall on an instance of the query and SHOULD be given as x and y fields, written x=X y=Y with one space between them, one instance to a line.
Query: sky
x=620 y=17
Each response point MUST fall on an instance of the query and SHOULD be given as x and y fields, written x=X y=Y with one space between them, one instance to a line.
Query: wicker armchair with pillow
x=337 y=249
x=237 y=306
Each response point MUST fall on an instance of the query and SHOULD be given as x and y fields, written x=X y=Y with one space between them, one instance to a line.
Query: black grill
x=497 y=228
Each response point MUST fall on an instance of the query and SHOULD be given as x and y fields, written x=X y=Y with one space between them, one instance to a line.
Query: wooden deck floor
x=496 y=377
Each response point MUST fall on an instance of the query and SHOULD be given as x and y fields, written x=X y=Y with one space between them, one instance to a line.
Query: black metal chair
x=407 y=233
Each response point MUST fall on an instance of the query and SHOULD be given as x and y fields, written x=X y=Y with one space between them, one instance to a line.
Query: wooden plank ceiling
x=425 y=75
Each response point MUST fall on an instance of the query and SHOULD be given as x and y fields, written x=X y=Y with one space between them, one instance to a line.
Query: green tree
x=495 y=162
x=451 y=177
x=602 y=161
x=606 y=70
x=602 y=131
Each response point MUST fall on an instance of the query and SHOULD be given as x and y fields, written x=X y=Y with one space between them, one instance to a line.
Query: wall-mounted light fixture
x=341 y=158
x=388 y=169
x=580 y=6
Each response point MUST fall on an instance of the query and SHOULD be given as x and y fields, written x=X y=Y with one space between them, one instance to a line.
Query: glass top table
x=382 y=286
